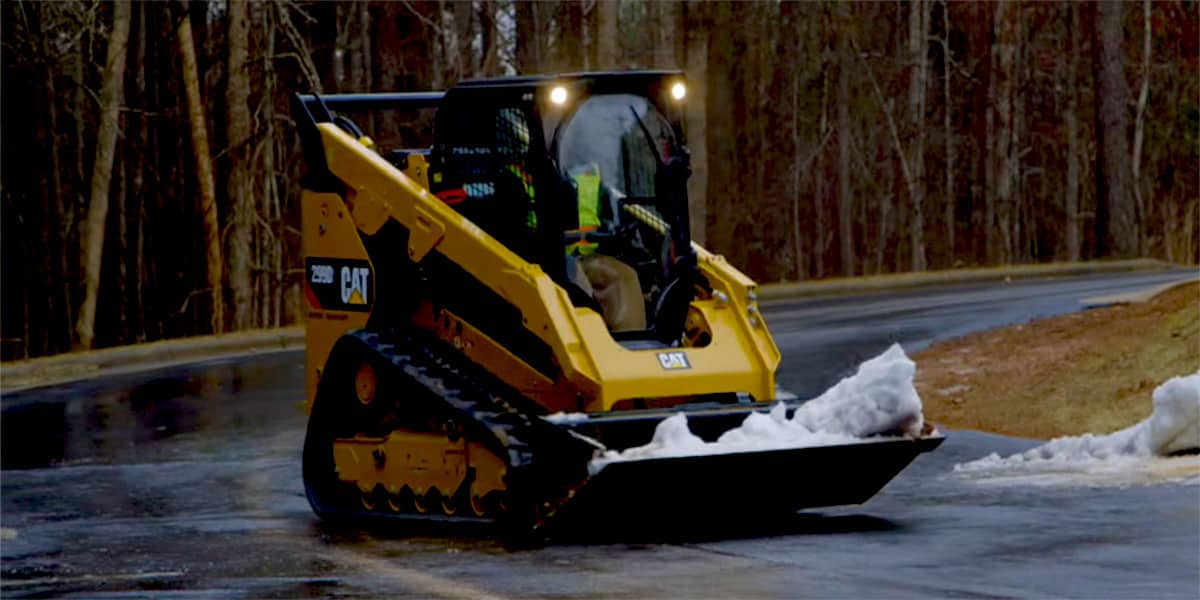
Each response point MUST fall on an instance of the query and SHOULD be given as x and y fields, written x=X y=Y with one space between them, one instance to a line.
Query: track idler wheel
x=490 y=505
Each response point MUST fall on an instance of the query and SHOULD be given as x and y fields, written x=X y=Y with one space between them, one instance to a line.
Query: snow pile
x=878 y=399
x=566 y=418
x=1175 y=424
x=1173 y=427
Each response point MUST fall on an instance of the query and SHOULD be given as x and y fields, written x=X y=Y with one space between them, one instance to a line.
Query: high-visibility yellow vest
x=527 y=183
x=588 y=205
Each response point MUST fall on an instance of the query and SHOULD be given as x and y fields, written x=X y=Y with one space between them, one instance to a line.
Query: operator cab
x=585 y=175
x=582 y=174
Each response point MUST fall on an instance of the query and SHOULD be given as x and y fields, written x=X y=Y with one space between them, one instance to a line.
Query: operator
x=512 y=128
x=612 y=283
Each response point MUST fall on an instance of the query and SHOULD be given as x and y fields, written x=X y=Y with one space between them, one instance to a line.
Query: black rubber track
x=421 y=386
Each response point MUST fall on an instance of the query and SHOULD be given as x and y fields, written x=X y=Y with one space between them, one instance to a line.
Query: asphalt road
x=186 y=483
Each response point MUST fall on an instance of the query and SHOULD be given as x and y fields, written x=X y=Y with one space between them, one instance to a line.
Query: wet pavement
x=186 y=483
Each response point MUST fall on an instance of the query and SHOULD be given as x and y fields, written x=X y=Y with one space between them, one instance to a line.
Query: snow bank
x=1175 y=424
x=878 y=399
x=1173 y=427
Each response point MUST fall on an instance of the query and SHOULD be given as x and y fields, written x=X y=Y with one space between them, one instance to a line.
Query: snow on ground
x=877 y=400
x=1132 y=455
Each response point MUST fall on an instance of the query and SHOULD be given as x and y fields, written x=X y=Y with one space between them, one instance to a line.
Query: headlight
x=558 y=95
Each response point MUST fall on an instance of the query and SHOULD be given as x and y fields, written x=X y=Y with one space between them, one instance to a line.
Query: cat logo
x=354 y=285
x=672 y=361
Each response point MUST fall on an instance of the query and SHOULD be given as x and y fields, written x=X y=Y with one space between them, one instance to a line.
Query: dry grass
x=1092 y=371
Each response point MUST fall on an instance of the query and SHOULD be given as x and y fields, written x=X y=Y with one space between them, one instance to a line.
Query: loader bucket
x=664 y=490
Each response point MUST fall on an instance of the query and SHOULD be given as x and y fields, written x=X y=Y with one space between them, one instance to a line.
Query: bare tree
x=918 y=33
x=529 y=37
x=1001 y=153
x=666 y=22
x=204 y=173
x=948 y=133
x=772 y=86
x=1139 y=128
x=1115 y=215
x=608 y=35
x=1070 y=121
x=821 y=235
x=568 y=47
x=463 y=16
x=845 y=200
x=696 y=115
x=237 y=92
x=102 y=170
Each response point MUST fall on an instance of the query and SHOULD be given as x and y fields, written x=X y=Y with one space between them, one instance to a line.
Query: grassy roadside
x=1092 y=371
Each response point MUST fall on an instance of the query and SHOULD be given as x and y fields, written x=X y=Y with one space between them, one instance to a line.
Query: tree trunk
x=1010 y=220
x=106 y=141
x=239 y=190
x=696 y=116
x=137 y=143
x=1002 y=154
x=528 y=38
x=58 y=332
x=845 y=200
x=797 y=245
x=1071 y=199
x=588 y=24
x=204 y=173
x=821 y=235
x=1116 y=227
x=568 y=48
x=608 y=42
x=360 y=69
x=763 y=113
x=1139 y=128
x=464 y=34
x=667 y=20
x=486 y=21
x=364 y=46
x=721 y=133
x=918 y=26
x=948 y=133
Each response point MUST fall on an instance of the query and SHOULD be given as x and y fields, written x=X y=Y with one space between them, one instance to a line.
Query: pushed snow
x=1173 y=427
x=1175 y=424
x=878 y=399
x=566 y=418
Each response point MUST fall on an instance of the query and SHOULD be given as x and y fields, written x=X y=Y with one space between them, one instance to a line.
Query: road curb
x=777 y=292
x=75 y=366
x=1139 y=296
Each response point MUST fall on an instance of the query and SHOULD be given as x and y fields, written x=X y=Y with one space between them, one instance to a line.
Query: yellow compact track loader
x=488 y=315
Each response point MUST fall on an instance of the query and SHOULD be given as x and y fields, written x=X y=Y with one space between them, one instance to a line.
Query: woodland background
x=150 y=164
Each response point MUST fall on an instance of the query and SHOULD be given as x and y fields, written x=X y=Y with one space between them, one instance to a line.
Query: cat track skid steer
x=489 y=314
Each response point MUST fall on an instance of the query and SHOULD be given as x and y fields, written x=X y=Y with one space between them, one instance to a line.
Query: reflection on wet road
x=188 y=481
x=123 y=419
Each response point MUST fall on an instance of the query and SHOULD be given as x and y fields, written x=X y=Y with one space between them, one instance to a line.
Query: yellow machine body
x=598 y=372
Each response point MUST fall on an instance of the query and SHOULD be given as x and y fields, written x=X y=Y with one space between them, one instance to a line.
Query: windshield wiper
x=649 y=137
